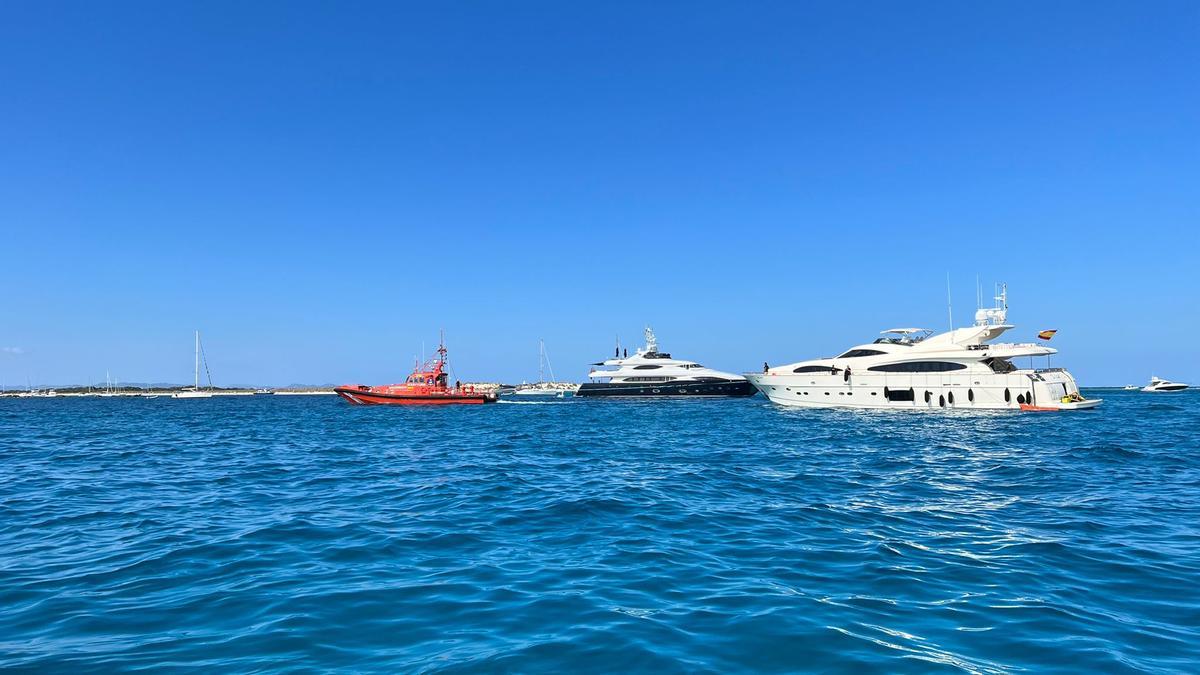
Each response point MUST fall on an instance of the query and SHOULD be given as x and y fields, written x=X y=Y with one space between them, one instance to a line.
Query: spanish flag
x=1047 y=334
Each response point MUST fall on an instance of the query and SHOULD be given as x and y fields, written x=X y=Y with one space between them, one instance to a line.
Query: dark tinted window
x=646 y=367
x=1000 y=365
x=918 y=367
x=813 y=369
x=902 y=395
x=855 y=353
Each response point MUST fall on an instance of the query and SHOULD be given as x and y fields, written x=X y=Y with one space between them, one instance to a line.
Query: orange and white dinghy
x=428 y=385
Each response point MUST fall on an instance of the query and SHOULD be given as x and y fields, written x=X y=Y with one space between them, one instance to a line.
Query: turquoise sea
x=301 y=533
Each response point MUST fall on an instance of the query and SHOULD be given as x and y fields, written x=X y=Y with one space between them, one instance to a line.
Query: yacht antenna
x=949 y=304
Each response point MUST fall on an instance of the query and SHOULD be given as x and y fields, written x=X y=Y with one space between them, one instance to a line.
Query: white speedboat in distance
x=195 y=391
x=651 y=373
x=1131 y=387
x=910 y=369
x=1159 y=384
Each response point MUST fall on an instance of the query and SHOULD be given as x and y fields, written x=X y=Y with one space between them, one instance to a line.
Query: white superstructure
x=910 y=368
x=650 y=372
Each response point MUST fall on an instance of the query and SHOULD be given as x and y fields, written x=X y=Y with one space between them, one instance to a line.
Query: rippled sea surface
x=268 y=532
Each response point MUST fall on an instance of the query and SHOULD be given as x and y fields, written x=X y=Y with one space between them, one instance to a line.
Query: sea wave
x=680 y=535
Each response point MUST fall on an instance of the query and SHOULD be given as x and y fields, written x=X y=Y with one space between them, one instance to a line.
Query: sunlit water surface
x=598 y=536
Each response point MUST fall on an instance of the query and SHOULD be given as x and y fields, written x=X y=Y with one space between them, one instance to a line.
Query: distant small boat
x=1157 y=384
x=1131 y=387
x=195 y=391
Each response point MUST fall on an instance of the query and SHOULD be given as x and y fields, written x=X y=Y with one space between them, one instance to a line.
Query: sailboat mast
x=541 y=360
x=197 y=376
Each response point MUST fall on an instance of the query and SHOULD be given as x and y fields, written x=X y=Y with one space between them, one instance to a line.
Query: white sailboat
x=544 y=387
x=195 y=391
x=109 y=391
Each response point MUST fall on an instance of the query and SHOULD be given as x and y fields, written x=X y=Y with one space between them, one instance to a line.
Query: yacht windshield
x=855 y=353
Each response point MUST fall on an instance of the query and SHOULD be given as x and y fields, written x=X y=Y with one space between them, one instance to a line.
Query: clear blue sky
x=320 y=187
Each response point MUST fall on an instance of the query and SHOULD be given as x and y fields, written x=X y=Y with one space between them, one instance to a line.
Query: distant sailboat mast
x=544 y=362
x=197 y=376
x=196 y=391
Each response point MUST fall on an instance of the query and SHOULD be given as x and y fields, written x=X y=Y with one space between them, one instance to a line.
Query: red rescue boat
x=428 y=385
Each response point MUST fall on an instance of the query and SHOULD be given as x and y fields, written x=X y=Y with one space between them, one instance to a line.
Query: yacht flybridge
x=912 y=368
x=652 y=373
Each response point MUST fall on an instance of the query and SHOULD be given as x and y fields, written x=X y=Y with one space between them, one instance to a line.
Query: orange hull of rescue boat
x=400 y=394
x=427 y=385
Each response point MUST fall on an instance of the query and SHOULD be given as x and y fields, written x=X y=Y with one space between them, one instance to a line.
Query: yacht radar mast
x=651 y=342
x=995 y=316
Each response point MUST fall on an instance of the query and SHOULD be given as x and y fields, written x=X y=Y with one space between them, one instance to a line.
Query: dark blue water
x=597 y=536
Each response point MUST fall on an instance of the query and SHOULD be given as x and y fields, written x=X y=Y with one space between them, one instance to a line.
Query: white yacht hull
x=1022 y=389
x=192 y=394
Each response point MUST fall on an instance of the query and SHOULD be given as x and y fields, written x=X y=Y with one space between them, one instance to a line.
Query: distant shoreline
x=77 y=391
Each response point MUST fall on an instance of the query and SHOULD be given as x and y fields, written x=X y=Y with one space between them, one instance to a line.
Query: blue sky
x=320 y=187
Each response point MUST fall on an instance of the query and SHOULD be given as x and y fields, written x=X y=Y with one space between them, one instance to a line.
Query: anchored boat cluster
x=906 y=368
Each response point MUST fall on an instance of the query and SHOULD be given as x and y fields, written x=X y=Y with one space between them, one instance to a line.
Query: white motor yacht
x=651 y=373
x=911 y=368
x=1159 y=384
